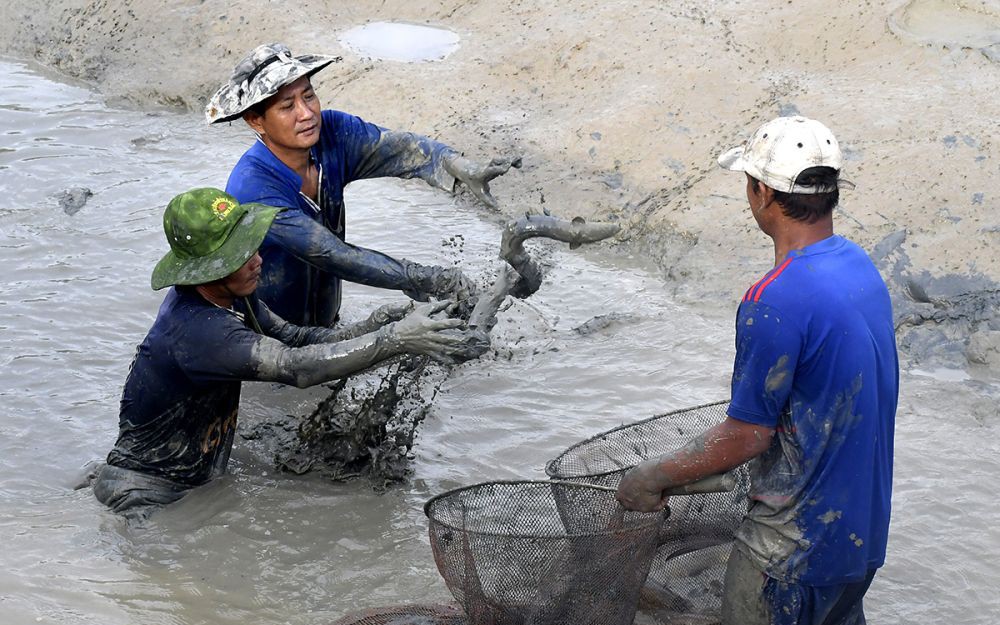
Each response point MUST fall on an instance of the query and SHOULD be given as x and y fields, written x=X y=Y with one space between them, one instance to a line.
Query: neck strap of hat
x=257 y=70
x=252 y=317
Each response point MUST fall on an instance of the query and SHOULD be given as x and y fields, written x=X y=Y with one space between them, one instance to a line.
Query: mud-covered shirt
x=305 y=256
x=179 y=405
x=816 y=360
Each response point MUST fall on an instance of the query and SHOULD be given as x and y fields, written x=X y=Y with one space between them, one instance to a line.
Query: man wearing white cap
x=304 y=158
x=814 y=392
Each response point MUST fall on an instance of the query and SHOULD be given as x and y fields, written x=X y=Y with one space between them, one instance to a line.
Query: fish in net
x=407 y=615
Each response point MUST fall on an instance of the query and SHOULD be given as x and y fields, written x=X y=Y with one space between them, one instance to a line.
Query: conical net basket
x=542 y=553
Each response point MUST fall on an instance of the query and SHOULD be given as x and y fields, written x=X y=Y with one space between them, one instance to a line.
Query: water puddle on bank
x=600 y=344
x=953 y=24
x=400 y=41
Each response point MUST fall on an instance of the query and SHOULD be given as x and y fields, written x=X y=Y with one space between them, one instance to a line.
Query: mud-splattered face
x=291 y=119
x=243 y=281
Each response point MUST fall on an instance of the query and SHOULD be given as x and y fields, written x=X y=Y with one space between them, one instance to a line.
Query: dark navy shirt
x=183 y=390
x=179 y=405
x=305 y=256
x=816 y=360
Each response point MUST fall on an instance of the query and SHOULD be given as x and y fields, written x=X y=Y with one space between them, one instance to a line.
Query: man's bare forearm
x=717 y=450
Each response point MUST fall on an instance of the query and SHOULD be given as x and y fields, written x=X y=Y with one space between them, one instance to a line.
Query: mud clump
x=365 y=428
x=73 y=199
x=950 y=319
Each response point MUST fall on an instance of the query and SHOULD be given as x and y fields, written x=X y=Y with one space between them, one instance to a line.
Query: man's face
x=292 y=117
x=243 y=281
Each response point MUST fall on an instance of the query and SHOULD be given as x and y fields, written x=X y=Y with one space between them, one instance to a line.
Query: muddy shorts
x=133 y=493
x=753 y=598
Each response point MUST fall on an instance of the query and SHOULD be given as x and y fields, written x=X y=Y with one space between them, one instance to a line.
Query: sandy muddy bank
x=620 y=109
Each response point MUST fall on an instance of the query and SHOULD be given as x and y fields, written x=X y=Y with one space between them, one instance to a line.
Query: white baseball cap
x=781 y=149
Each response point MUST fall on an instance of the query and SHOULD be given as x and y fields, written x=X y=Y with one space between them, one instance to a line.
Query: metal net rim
x=551 y=469
x=445 y=613
x=654 y=518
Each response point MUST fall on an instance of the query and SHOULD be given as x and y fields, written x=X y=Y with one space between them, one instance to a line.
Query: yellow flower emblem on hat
x=222 y=207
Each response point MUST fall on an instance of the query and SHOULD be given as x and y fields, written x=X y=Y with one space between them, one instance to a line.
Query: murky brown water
x=266 y=548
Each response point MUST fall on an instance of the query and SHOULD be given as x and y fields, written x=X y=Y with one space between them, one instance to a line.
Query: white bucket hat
x=781 y=149
x=258 y=76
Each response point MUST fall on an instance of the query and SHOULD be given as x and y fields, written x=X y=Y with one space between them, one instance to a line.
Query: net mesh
x=536 y=552
x=687 y=572
x=407 y=615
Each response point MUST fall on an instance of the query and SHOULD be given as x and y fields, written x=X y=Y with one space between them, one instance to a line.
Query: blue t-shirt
x=816 y=360
x=305 y=256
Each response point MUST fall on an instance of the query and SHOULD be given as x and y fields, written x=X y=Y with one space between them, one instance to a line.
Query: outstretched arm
x=417 y=333
x=717 y=450
x=313 y=243
x=300 y=336
x=373 y=152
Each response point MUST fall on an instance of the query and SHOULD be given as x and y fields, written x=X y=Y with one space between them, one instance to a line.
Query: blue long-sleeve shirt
x=305 y=254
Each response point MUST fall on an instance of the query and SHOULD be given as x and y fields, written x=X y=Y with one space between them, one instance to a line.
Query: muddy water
x=597 y=345
x=399 y=41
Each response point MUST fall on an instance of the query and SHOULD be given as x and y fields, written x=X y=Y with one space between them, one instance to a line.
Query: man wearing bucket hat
x=814 y=392
x=302 y=161
x=179 y=404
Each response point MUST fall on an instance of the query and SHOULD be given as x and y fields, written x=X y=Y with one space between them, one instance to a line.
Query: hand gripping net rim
x=536 y=551
x=686 y=575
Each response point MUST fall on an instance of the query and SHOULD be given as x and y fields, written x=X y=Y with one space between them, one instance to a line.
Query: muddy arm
x=417 y=333
x=575 y=232
x=484 y=313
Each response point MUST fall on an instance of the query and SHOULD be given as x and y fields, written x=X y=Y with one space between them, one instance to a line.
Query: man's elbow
x=750 y=440
x=757 y=440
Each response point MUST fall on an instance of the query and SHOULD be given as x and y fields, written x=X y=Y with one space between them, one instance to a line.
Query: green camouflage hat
x=211 y=235
x=258 y=76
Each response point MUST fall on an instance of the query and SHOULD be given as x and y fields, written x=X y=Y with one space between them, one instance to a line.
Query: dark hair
x=810 y=207
x=260 y=108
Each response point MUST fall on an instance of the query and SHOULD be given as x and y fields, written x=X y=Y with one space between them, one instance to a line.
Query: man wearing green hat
x=179 y=405
x=304 y=158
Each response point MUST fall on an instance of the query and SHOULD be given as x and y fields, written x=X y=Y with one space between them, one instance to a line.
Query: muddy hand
x=420 y=333
x=441 y=282
x=639 y=490
x=388 y=313
x=477 y=176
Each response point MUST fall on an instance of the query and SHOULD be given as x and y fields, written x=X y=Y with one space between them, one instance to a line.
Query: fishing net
x=407 y=615
x=686 y=574
x=542 y=553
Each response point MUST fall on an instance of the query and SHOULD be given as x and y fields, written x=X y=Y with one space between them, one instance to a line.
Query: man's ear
x=255 y=120
x=765 y=191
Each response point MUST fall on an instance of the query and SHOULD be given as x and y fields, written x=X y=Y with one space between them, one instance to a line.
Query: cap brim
x=308 y=64
x=733 y=159
x=241 y=245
